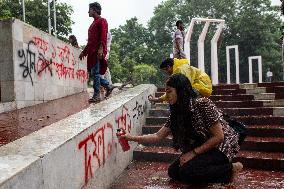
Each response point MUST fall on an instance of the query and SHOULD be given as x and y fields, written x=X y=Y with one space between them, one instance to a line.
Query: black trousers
x=210 y=167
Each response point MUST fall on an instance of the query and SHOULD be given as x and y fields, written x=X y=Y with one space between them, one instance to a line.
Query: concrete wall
x=80 y=151
x=36 y=67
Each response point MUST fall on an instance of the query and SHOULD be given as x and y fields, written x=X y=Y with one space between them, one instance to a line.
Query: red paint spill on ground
x=153 y=175
x=19 y=123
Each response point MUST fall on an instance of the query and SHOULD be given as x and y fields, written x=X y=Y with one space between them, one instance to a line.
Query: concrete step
x=275 y=89
x=250 y=159
x=261 y=120
x=248 y=120
x=228 y=91
x=154 y=153
x=248 y=86
x=226 y=86
x=264 y=144
x=161 y=89
x=262 y=160
x=273 y=103
x=281 y=83
x=153 y=175
x=257 y=111
x=239 y=104
x=266 y=130
x=264 y=96
x=253 y=130
x=158 y=94
x=279 y=95
x=167 y=142
x=238 y=97
x=256 y=90
x=159 y=113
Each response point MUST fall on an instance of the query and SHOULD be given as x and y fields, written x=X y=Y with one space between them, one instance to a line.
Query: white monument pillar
x=214 y=53
x=259 y=59
x=201 y=46
x=237 y=63
x=48 y=14
x=54 y=17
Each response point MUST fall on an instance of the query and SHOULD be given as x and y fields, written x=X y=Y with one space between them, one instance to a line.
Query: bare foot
x=237 y=167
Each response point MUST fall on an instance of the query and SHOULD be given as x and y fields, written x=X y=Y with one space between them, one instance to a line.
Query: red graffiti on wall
x=64 y=53
x=121 y=120
x=51 y=59
x=96 y=148
x=64 y=71
x=82 y=75
x=41 y=44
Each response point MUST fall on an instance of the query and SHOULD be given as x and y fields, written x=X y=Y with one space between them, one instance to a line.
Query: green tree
x=36 y=15
x=143 y=73
x=133 y=46
x=135 y=41
x=253 y=25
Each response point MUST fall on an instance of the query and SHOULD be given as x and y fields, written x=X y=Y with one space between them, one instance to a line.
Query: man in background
x=178 y=41
x=269 y=75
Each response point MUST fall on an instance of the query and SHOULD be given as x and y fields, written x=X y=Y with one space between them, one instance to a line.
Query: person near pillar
x=201 y=82
x=178 y=41
x=206 y=141
x=96 y=50
x=269 y=76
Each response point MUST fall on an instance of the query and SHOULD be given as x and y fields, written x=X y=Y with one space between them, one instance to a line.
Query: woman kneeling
x=199 y=131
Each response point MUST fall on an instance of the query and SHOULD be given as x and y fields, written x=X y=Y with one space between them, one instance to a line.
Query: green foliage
x=253 y=25
x=132 y=47
x=143 y=73
x=36 y=15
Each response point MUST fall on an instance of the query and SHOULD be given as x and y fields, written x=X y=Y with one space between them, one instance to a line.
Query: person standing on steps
x=269 y=75
x=206 y=141
x=96 y=50
x=178 y=41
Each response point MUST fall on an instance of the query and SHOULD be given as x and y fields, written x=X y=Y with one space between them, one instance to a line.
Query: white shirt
x=109 y=38
x=269 y=74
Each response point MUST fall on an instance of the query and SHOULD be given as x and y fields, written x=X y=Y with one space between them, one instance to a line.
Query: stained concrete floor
x=153 y=175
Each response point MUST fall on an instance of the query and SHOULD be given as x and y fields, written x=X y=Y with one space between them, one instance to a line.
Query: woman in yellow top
x=201 y=82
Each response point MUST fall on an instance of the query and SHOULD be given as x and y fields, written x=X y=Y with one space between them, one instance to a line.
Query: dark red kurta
x=97 y=35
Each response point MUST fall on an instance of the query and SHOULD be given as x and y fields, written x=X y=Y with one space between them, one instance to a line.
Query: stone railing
x=36 y=67
x=81 y=151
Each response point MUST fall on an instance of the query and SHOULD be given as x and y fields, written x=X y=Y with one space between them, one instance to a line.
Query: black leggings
x=210 y=167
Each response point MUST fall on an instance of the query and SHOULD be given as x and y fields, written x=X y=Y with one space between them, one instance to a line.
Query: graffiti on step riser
x=102 y=144
x=138 y=110
x=124 y=120
x=42 y=58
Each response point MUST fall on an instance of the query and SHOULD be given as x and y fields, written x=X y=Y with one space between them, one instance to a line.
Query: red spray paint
x=122 y=141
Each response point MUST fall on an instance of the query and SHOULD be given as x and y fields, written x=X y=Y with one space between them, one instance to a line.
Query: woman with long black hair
x=206 y=141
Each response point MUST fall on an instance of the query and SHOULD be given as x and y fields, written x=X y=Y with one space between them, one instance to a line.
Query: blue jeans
x=97 y=79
